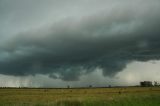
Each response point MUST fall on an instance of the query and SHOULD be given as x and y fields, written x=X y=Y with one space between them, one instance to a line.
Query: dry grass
x=80 y=97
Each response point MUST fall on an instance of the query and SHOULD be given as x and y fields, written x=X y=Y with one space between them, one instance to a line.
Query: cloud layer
x=107 y=36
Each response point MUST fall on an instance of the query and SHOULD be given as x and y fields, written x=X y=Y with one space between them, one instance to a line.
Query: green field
x=131 y=96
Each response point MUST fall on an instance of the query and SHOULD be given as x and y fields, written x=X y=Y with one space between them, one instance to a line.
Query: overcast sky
x=55 y=43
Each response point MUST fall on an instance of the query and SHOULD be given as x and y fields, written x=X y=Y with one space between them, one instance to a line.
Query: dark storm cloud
x=107 y=39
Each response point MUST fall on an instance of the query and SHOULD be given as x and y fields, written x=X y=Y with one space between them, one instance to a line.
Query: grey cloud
x=75 y=46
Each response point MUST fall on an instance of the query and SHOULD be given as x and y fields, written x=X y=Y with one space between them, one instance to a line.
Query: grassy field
x=131 y=96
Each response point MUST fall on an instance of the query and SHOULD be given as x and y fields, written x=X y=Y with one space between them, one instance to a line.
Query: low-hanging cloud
x=73 y=46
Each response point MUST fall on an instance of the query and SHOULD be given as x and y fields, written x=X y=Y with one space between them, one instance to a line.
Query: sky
x=55 y=43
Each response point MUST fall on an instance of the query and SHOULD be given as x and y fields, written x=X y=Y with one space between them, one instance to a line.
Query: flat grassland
x=129 y=96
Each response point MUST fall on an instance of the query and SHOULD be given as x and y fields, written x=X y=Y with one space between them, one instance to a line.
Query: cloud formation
x=107 y=37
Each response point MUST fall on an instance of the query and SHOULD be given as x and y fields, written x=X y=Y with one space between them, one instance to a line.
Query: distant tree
x=90 y=86
x=109 y=86
x=156 y=83
x=68 y=86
